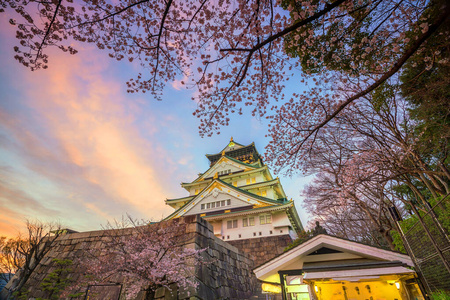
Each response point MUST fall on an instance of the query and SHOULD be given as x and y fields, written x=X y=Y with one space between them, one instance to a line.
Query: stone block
x=160 y=293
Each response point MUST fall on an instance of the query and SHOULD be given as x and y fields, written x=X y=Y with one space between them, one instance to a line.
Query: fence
x=429 y=245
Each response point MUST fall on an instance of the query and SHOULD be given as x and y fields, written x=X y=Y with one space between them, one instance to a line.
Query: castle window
x=270 y=232
x=254 y=233
x=228 y=237
x=260 y=233
x=248 y=181
x=248 y=221
x=264 y=193
x=253 y=180
x=265 y=219
x=239 y=236
x=216 y=204
x=232 y=224
x=235 y=183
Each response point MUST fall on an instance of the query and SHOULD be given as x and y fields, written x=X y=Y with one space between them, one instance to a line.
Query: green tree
x=55 y=282
x=425 y=84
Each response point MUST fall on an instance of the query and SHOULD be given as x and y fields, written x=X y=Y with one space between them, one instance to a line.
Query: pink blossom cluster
x=142 y=258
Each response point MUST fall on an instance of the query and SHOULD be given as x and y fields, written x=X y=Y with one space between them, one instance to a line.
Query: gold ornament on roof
x=231 y=144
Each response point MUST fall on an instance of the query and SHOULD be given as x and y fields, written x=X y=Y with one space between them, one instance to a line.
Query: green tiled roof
x=232 y=159
x=251 y=194
x=247 y=210
x=264 y=199
x=180 y=199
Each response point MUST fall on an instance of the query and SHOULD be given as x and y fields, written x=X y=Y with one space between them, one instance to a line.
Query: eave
x=252 y=211
x=238 y=189
x=337 y=243
x=259 y=199
x=224 y=158
x=295 y=219
x=178 y=200
x=241 y=146
x=228 y=176
x=274 y=182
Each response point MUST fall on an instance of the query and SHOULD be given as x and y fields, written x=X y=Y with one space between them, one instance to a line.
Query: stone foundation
x=264 y=248
x=226 y=275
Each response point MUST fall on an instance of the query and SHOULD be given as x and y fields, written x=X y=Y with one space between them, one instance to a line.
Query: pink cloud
x=94 y=125
x=79 y=132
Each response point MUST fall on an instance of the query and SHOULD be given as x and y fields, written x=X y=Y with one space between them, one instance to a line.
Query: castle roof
x=224 y=158
x=237 y=151
x=253 y=199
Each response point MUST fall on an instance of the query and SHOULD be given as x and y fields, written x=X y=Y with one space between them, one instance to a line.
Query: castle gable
x=220 y=196
x=224 y=166
x=217 y=200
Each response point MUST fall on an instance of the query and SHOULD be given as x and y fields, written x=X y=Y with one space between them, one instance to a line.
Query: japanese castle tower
x=239 y=197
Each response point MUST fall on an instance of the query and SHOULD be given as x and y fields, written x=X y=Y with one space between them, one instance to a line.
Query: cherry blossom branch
x=166 y=11
x=48 y=30
x=108 y=15
x=288 y=29
x=397 y=65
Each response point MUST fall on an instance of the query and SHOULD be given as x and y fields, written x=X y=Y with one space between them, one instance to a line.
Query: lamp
x=397 y=285
x=316 y=288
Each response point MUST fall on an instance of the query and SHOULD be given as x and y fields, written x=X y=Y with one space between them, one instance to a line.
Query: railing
x=428 y=243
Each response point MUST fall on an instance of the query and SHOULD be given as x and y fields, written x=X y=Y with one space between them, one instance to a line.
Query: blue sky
x=75 y=148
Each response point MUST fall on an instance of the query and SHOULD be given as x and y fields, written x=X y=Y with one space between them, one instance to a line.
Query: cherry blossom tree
x=360 y=162
x=240 y=54
x=142 y=257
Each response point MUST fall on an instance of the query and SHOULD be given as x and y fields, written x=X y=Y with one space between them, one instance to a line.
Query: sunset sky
x=75 y=148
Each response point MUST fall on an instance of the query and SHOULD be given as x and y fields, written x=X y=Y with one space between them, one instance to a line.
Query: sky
x=76 y=149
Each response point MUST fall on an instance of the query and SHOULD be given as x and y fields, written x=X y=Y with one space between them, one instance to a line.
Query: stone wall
x=264 y=248
x=227 y=273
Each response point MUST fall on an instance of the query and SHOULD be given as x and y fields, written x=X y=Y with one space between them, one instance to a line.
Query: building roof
x=237 y=151
x=224 y=158
x=245 y=212
x=345 y=255
x=262 y=200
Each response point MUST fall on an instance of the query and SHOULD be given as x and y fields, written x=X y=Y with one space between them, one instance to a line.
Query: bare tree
x=366 y=154
x=26 y=251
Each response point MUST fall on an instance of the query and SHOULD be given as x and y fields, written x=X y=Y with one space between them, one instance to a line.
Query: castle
x=239 y=197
